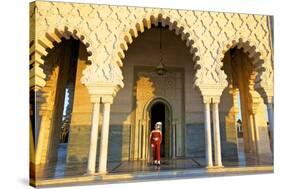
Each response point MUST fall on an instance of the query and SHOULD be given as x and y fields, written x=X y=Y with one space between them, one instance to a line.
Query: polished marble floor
x=62 y=170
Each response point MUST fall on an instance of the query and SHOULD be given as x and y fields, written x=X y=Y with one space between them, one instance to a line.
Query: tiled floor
x=167 y=164
x=60 y=170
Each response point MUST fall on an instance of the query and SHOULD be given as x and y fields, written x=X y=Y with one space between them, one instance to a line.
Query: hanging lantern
x=160 y=68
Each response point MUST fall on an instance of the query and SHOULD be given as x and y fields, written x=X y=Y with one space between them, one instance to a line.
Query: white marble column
x=216 y=130
x=208 y=139
x=106 y=91
x=104 y=139
x=94 y=138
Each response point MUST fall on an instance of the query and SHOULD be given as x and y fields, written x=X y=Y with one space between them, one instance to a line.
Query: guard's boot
x=158 y=163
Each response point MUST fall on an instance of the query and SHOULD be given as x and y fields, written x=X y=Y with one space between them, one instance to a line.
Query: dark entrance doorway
x=158 y=114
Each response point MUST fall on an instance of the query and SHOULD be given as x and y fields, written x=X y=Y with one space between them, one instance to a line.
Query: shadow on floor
x=62 y=170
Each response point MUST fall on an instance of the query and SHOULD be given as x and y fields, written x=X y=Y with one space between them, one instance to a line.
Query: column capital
x=216 y=99
x=103 y=91
x=211 y=99
x=213 y=91
x=95 y=98
x=207 y=99
x=107 y=99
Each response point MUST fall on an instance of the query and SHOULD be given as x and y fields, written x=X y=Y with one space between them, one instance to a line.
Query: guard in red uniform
x=155 y=141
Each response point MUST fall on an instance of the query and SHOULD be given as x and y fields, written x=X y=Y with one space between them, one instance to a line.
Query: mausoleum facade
x=122 y=69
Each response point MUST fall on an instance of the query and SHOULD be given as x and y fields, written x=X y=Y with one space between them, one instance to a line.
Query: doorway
x=160 y=110
x=158 y=115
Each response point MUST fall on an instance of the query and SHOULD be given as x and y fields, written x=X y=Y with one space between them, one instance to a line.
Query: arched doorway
x=160 y=110
x=158 y=114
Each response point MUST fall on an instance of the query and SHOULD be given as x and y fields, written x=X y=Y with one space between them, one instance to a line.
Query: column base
x=102 y=173
x=217 y=167
x=95 y=174
x=209 y=167
x=90 y=174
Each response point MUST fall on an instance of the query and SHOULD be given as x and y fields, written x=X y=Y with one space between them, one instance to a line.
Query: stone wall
x=119 y=142
x=195 y=140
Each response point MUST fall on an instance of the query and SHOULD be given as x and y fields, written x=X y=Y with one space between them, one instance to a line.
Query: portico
x=107 y=65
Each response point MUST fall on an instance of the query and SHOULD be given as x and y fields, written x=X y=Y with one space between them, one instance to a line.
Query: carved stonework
x=106 y=31
x=149 y=85
x=145 y=89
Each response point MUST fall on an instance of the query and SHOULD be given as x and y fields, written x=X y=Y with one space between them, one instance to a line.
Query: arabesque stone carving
x=107 y=30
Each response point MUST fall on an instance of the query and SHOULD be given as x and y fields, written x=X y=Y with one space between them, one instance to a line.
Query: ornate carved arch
x=155 y=100
x=165 y=20
x=110 y=28
x=41 y=50
x=254 y=53
x=40 y=47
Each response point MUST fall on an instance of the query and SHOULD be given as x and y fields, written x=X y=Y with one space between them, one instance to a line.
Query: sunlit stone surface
x=97 y=91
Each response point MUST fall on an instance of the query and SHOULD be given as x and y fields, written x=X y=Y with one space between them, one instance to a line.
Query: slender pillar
x=104 y=139
x=217 y=141
x=174 y=140
x=37 y=123
x=39 y=147
x=208 y=140
x=256 y=132
x=252 y=133
x=262 y=142
x=94 y=138
x=31 y=144
x=41 y=129
x=43 y=142
x=270 y=119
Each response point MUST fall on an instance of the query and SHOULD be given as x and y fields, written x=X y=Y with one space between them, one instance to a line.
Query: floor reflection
x=62 y=170
x=59 y=168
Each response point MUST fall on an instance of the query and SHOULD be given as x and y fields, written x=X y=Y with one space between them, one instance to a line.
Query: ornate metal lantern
x=160 y=68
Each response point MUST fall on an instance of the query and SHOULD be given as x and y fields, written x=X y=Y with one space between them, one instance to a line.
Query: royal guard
x=155 y=141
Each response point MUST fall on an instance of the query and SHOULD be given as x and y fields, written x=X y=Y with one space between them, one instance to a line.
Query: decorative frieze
x=107 y=30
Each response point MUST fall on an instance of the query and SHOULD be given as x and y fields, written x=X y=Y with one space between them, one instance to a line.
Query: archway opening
x=63 y=67
x=156 y=46
x=157 y=113
x=160 y=110
x=246 y=118
x=62 y=61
